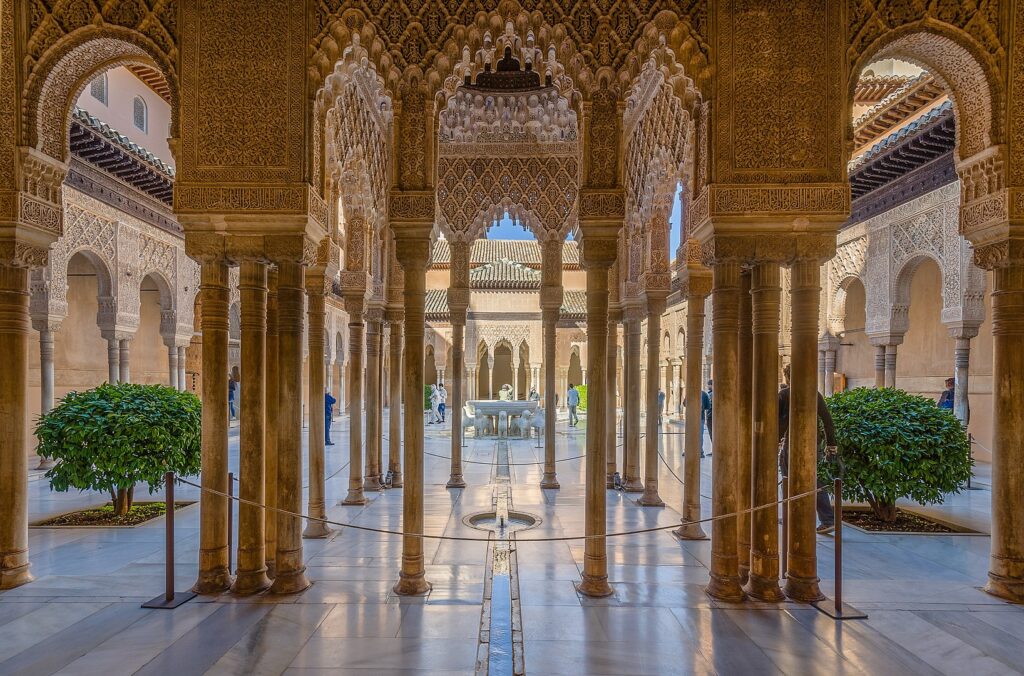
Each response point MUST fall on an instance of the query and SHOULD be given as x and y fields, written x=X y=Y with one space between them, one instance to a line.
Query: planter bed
x=103 y=517
x=907 y=522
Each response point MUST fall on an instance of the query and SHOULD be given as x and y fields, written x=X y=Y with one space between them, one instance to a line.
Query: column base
x=250 y=582
x=633 y=485
x=691 y=531
x=355 y=497
x=271 y=569
x=609 y=481
x=292 y=582
x=650 y=500
x=594 y=586
x=411 y=585
x=764 y=588
x=396 y=479
x=803 y=590
x=15 y=577
x=725 y=588
x=456 y=481
x=213 y=581
x=372 y=483
x=316 y=530
x=549 y=481
x=1005 y=588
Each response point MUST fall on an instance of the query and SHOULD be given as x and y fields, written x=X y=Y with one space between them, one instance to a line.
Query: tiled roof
x=436 y=302
x=524 y=251
x=574 y=304
x=504 y=274
x=933 y=116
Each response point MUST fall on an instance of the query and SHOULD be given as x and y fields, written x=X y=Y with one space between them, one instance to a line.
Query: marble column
x=471 y=381
x=879 y=365
x=821 y=370
x=182 y=383
x=611 y=407
x=890 y=365
x=766 y=290
x=744 y=385
x=395 y=385
x=413 y=250
x=354 y=306
x=270 y=408
x=597 y=256
x=455 y=479
x=725 y=581
x=172 y=366
x=290 y=573
x=962 y=334
x=251 y=573
x=112 y=360
x=316 y=311
x=46 y=330
x=214 y=576
x=14 y=328
x=124 y=360
x=1006 y=563
x=550 y=321
x=650 y=498
x=698 y=286
x=802 y=572
x=631 y=478
x=828 y=346
x=371 y=478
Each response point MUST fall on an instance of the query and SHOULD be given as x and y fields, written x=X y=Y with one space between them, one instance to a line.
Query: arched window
x=98 y=88
x=140 y=115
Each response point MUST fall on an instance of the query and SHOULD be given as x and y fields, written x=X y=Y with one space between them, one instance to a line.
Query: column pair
x=885 y=359
x=611 y=410
x=655 y=306
x=395 y=318
x=46 y=329
x=631 y=319
x=374 y=410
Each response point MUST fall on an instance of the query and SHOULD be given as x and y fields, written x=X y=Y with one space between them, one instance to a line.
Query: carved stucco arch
x=960 y=64
x=66 y=68
x=837 y=317
x=905 y=270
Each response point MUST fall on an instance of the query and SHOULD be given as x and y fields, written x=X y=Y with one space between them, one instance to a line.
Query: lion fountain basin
x=493 y=409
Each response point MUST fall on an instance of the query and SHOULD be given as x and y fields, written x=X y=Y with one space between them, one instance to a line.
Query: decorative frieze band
x=291 y=199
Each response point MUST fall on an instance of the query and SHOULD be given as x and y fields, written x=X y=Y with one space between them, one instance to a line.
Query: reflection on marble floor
x=82 y=615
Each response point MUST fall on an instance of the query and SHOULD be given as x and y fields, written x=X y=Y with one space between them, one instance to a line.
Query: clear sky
x=506 y=229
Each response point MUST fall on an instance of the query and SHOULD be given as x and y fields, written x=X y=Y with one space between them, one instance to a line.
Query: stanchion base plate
x=162 y=603
x=845 y=612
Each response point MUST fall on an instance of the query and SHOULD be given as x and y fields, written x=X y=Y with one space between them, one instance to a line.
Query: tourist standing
x=435 y=399
x=534 y=395
x=661 y=406
x=232 y=389
x=572 y=400
x=711 y=403
x=705 y=415
x=329 y=402
x=946 y=398
x=442 y=404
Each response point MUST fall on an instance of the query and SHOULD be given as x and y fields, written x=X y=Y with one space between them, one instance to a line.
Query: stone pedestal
x=251 y=574
x=214 y=576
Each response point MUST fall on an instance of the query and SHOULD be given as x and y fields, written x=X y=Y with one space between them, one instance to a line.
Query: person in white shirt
x=442 y=404
x=435 y=400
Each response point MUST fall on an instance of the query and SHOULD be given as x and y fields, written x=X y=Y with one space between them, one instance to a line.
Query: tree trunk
x=123 y=501
x=884 y=510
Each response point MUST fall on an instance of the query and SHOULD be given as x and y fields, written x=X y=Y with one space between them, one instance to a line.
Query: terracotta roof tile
x=523 y=251
x=504 y=274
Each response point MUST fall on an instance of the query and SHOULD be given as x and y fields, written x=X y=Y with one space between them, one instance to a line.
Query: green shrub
x=897 y=445
x=426 y=398
x=582 y=389
x=115 y=436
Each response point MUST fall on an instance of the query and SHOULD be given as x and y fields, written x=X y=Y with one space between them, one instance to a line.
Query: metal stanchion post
x=835 y=608
x=231 y=517
x=169 y=599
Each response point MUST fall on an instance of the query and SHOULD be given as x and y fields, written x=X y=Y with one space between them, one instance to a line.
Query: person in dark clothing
x=232 y=387
x=711 y=402
x=826 y=515
x=705 y=418
x=946 y=398
x=329 y=403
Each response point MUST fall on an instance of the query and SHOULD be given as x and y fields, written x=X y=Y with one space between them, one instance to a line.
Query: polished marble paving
x=922 y=593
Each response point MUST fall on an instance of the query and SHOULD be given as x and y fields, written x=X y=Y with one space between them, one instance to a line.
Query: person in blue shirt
x=329 y=403
x=572 y=400
x=946 y=398
x=705 y=415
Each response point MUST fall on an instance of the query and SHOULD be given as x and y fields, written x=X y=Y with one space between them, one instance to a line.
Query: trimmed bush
x=897 y=445
x=115 y=436
x=582 y=389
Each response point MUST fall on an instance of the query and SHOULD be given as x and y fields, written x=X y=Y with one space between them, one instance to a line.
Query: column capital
x=827 y=342
x=1001 y=254
x=786 y=248
x=963 y=330
x=633 y=311
x=598 y=252
x=374 y=313
x=883 y=339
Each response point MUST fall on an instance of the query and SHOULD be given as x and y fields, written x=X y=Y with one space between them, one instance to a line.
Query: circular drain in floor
x=488 y=521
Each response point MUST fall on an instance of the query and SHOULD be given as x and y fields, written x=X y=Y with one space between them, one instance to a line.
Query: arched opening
x=502 y=368
x=522 y=384
x=575 y=374
x=148 y=349
x=925 y=358
x=483 y=378
x=429 y=366
x=80 y=350
x=855 y=356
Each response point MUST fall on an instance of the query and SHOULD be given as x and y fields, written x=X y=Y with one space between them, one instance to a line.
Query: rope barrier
x=457 y=538
x=495 y=462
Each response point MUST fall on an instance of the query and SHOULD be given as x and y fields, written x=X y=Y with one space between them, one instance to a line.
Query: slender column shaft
x=124 y=361
x=252 y=565
x=355 y=423
x=182 y=384
x=290 y=568
x=455 y=479
x=214 y=575
x=763 y=580
x=802 y=573
x=890 y=365
x=821 y=371
x=395 y=419
x=172 y=366
x=830 y=372
x=631 y=480
x=371 y=479
x=271 y=408
x=879 y=366
x=413 y=257
x=694 y=438
x=1006 y=566
x=550 y=319
x=612 y=405
x=725 y=583
x=745 y=365
x=962 y=370
x=45 y=381
x=378 y=447
x=14 y=326
x=112 y=359
x=594 y=581
x=650 y=498
x=317 y=312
